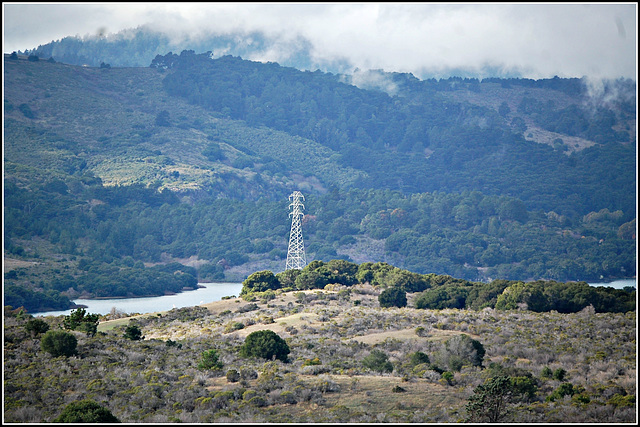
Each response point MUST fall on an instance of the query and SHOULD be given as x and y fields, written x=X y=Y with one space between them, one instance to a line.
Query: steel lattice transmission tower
x=295 y=255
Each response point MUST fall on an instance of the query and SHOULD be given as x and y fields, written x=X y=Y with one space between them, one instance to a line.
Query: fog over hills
x=428 y=40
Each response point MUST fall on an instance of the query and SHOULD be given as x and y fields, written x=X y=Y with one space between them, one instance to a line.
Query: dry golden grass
x=409 y=334
x=376 y=391
x=369 y=395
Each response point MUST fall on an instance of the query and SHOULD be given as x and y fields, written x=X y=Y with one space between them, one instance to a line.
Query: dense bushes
x=377 y=361
x=133 y=332
x=85 y=411
x=36 y=326
x=537 y=296
x=210 y=360
x=59 y=343
x=80 y=320
x=342 y=353
x=393 y=297
x=260 y=281
x=458 y=351
x=443 y=291
x=265 y=344
x=34 y=301
x=565 y=297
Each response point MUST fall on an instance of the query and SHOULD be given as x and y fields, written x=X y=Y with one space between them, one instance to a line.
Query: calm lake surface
x=209 y=293
x=618 y=284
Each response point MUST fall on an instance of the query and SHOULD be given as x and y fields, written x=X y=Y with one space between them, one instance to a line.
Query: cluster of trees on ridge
x=441 y=291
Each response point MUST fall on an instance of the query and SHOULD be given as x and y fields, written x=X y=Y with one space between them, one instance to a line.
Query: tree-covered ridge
x=421 y=140
x=438 y=292
x=350 y=137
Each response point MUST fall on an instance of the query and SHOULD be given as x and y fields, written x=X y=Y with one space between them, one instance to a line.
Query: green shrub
x=133 y=333
x=260 y=281
x=36 y=326
x=79 y=320
x=377 y=361
x=489 y=402
x=209 y=361
x=393 y=297
x=312 y=362
x=621 y=401
x=398 y=389
x=525 y=386
x=421 y=331
x=265 y=344
x=257 y=401
x=418 y=358
x=559 y=374
x=85 y=411
x=59 y=343
x=171 y=343
x=564 y=389
x=233 y=326
x=233 y=376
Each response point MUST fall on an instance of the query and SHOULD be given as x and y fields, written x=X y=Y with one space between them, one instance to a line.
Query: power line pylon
x=296 y=258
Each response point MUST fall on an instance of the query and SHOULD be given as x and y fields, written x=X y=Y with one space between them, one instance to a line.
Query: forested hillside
x=111 y=171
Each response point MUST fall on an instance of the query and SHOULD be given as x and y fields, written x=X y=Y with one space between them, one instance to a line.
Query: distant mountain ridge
x=136 y=47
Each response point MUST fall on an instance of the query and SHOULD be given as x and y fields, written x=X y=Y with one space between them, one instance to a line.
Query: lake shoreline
x=186 y=289
x=205 y=293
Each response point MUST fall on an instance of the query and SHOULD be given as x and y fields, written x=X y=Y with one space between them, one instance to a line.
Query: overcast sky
x=535 y=40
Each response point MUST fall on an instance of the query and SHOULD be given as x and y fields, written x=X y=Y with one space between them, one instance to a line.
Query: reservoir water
x=208 y=293
x=618 y=284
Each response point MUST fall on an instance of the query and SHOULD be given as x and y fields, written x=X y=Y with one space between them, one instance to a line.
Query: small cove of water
x=208 y=293
x=618 y=284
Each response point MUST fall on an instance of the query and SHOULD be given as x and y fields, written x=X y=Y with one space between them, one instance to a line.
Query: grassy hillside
x=330 y=333
x=103 y=122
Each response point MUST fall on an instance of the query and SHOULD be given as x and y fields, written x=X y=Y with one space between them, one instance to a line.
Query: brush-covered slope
x=350 y=361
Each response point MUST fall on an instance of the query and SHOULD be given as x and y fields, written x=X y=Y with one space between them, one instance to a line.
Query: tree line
x=436 y=292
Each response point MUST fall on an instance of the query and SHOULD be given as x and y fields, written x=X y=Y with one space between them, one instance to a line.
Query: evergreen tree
x=265 y=344
x=393 y=297
x=85 y=411
x=59 y=343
